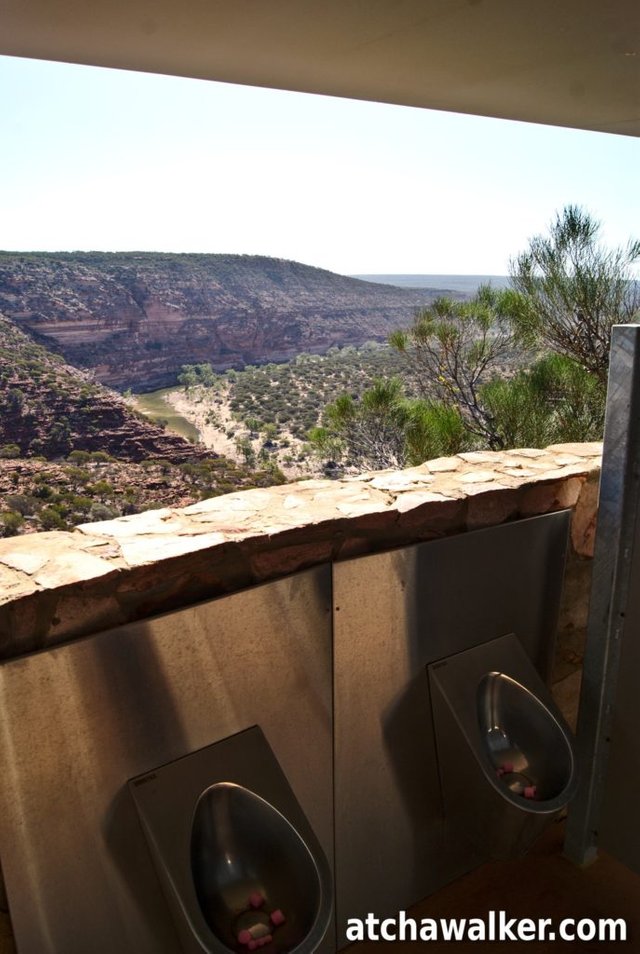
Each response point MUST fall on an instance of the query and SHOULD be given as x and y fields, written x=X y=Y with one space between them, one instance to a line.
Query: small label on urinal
x=146 y=778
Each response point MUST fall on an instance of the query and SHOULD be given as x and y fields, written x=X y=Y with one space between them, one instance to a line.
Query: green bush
x=21 y=503
x=100 y=511
x=10 y=523
x=9 y=451
x=79 y=456
x=51 y=519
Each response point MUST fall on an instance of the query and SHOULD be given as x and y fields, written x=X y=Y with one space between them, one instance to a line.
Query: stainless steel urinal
x=237 y=859
x=505 y=753
x=528 y=750
x=250 y=869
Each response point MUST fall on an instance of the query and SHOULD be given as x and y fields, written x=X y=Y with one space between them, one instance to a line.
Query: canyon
x=49 y=408
x=134 y=319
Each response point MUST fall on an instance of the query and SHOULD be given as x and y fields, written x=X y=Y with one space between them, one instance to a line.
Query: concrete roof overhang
x=570 y=63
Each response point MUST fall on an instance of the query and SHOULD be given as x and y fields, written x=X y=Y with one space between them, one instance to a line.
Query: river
x=155 y=406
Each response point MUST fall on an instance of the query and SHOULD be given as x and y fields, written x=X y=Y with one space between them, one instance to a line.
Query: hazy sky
x=104 y=159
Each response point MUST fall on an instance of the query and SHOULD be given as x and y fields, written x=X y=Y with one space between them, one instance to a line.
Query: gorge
x=135 y=318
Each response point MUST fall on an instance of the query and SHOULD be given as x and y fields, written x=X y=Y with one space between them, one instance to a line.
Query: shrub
x=21 y=503
x=79 y=456
x=101 y=488
x=9 y=451
x=100 y=511
x=10 y=523
x=51 y=519
x=101 y=457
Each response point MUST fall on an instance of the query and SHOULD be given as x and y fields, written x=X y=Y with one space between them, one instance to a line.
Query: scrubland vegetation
x=268 y=412
x=36 y=494
x=522 y=366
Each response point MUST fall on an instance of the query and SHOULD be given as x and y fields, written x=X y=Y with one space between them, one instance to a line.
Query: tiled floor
x=541 y=885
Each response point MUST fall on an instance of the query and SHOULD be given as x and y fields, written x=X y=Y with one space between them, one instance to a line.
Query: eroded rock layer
x=49 y=408
x=136 y=318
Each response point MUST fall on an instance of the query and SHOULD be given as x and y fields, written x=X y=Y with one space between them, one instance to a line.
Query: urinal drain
x=254 y=926
x=518 y=783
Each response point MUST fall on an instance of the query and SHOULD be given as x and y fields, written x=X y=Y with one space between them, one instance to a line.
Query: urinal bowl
x=236 y=857
x=505 y=753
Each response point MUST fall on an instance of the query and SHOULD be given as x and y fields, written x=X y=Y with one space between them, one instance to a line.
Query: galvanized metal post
x=613 y=571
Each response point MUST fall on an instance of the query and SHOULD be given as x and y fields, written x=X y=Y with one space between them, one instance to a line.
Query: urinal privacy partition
x=82 y=719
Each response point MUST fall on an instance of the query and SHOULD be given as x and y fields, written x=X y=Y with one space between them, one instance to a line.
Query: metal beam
x=612 y=576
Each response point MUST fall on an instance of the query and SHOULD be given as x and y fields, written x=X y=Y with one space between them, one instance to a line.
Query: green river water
x=155 y=406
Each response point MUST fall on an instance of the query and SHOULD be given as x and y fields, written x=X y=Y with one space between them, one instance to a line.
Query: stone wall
x=58 y=586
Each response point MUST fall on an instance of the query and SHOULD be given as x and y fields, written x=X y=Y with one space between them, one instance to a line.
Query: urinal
x=505 y=753
x=235 y=855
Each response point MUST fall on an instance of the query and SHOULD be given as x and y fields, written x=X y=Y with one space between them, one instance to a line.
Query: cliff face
x=48 y=408
x=136 y=318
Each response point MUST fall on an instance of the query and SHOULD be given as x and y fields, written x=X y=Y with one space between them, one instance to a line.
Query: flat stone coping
x=55 y=586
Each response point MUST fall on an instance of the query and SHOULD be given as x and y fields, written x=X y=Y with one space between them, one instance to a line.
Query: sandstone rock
x=140 y=317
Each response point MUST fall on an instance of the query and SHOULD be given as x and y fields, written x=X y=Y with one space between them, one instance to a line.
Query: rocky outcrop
x=48 y=408
x=136 y=318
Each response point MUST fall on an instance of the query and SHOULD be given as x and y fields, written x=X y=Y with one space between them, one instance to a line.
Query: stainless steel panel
x=619 y=824
x=79 y=720
x=394 y=614
x=609 y=701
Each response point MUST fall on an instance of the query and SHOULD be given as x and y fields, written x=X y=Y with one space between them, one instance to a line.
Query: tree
x=385 y=428
x=245 y=447
x=454 y=348
x=188 y=376
x=572 y=290
x=369 y=432
x=553 y=402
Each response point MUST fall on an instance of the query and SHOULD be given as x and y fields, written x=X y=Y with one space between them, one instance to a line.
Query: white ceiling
x=563 y=62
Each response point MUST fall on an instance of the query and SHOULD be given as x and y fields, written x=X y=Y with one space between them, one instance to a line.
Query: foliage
x=556 y=401
x=454 y=348
x=291 y=396
x=385 y=428
x=10 y=523
x=572 y=290
x=21 y=503
x=51 y=518
x=245 y=447
x=8 y=451
x=434 y=429
x=369 y=431
x=567 y=292
x=194 y=375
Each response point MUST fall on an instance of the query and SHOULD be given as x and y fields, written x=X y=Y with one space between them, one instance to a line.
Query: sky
x=100 y=159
